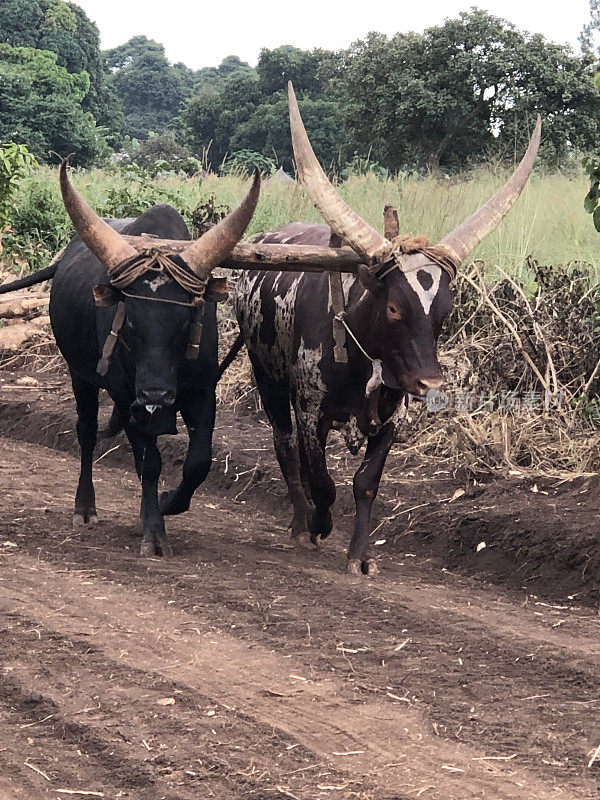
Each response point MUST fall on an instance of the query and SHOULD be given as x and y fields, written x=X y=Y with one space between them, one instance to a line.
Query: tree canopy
x=149 y=88
x=462 y=90
x=40 y=105
x=446 y=98
x=64 y=28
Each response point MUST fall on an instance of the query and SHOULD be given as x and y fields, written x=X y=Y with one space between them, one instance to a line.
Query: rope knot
x=409 y=244
x=390 y=256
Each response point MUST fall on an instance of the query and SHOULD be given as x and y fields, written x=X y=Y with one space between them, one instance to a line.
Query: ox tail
x=45 y=274
x=231 y=355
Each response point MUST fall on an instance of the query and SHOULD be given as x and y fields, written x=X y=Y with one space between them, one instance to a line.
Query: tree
x=20 y=22
x=246 y=110
x=550 y=80
x=40 y=106
x=231 y=64
x=267 y=131
x=149 y=87
x=65 y=29
x=204 y=125
x=442 y=97
x=287 y=63
x=588 y=37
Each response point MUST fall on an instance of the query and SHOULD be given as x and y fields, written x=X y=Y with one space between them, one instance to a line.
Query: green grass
x=547 y=223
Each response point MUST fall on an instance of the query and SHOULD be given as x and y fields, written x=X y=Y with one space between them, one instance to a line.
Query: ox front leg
x=86 y=397
x=148 y=465
x=366 y=485
x=154 y=535
x=200 y=421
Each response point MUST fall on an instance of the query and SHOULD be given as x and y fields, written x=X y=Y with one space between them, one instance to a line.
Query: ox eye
x=393 y=311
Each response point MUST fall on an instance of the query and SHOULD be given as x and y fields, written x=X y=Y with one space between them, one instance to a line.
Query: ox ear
x=105 y=295
x=216 y=290
x=369 y=281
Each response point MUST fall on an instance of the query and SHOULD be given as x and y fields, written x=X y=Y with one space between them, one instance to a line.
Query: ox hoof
x=152 y=549
x=315 y=540
x=356 y=566
x=164 y=549
x=88 y=517
x=169 y=504
x=321 y=526
x=305 y=539
x=148 y=549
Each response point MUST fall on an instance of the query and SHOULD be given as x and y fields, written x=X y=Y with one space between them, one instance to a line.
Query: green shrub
x=41 y=216
x=244 y=161
x=161 y=153
x=134 y=192
x=15 y=162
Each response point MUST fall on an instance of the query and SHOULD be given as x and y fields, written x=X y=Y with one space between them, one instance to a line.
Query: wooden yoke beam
x=272 y=257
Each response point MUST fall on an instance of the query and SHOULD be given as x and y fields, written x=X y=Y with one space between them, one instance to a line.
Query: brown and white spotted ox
x=394 y=308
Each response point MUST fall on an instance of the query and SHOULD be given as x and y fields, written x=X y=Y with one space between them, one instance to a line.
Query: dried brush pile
x=523 y=369
x=237 y=384
x=522 y=362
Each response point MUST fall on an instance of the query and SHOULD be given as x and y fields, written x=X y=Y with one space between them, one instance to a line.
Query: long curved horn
x=473 y=230
x=106 y=244
x=361 y=237
x=210 y=250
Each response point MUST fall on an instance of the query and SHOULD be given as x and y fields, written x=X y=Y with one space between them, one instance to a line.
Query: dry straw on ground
x=523 y=369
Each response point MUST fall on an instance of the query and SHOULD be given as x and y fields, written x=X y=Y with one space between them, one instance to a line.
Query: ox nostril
x=156 y=398
x=425 y=384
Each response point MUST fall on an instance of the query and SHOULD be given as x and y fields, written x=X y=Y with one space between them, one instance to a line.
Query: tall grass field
x=547 y=223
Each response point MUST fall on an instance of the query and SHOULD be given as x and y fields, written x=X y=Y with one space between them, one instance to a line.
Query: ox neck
x=361 y=317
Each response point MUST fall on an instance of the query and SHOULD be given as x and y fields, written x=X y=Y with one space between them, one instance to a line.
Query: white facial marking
x=155 y=283
x=426 y=296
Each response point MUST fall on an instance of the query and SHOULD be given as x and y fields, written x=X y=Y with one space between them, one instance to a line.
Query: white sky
x=202 y=34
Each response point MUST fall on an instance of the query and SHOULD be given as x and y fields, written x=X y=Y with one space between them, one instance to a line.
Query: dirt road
x=245 y=667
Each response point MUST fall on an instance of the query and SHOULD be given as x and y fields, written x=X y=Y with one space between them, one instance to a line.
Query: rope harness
x=151 y=260
x=390 y=257
x=388 y=260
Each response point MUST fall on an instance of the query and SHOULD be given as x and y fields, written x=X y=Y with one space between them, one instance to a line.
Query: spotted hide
x=286 y=320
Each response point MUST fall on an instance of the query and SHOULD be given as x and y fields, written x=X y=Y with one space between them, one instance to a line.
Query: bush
x=244 y=161
x=161 y=153
x=15 y=162
x=135 y=193
x=41 y=216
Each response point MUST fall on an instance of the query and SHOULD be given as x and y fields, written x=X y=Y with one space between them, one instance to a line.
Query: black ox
x=392 y=314
x=162 y=355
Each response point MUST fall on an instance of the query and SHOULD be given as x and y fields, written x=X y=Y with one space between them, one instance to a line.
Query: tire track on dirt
x=393 y=747
x=225 y=576
x=106 y=725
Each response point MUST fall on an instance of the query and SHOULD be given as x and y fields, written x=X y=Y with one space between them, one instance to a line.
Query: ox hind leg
x=275 y=396
x=366 y=486
x=199 y=417
x=312 y=437
x=86 y=398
